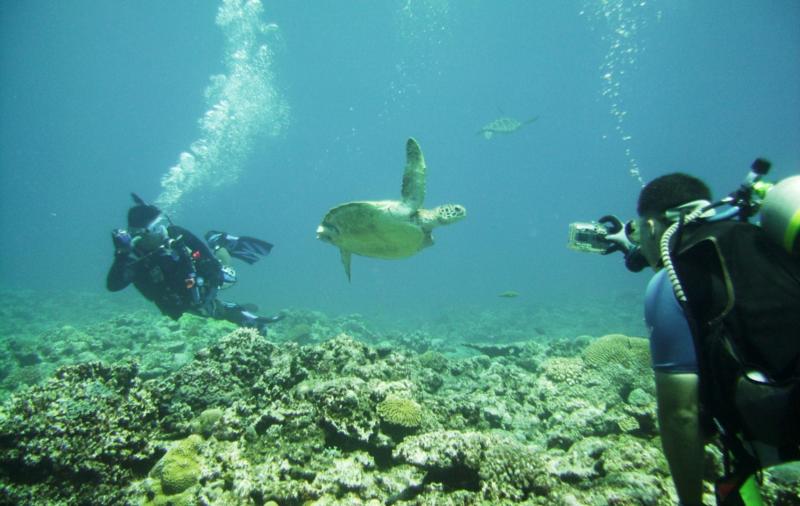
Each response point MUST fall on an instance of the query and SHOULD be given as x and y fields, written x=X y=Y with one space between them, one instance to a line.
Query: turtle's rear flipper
x=346 y=255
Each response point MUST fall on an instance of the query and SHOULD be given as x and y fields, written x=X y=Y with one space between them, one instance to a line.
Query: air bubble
x=242 y=105
x=621 y=22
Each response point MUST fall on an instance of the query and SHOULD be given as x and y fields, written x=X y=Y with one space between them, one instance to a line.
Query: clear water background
x=98 y=98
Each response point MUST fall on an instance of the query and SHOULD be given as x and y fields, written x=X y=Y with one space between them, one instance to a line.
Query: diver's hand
x=616 y=236
x=122 y=241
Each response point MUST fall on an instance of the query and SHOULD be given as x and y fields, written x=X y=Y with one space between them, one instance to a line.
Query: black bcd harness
x=743 y=300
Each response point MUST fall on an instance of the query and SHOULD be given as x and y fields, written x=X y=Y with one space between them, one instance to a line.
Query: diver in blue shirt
x=177 y=271
x=723 y=311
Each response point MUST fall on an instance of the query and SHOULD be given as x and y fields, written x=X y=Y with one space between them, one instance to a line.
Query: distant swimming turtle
x=388 y=228
x=503 y=125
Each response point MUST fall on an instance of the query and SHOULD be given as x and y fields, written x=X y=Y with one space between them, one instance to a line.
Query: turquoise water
x=100 y=99
x=256 y=118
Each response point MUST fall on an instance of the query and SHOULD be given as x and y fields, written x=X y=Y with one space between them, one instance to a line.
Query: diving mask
x=151 y=237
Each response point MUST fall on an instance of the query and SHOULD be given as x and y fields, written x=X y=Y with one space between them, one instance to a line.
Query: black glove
x=634 y=260
x=616 y=235
x=122 y=241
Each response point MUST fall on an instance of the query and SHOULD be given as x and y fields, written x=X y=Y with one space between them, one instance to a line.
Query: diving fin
x=248 y=249
x=138 y=200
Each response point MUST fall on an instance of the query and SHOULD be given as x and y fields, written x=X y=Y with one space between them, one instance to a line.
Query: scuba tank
x=780 y=214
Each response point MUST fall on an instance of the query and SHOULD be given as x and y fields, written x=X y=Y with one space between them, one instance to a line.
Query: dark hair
x=141 y=215
x=670 y=191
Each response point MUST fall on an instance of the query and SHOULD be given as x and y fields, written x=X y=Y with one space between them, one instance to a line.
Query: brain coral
x=179 y=469
x=400 y=411
x=630 y=352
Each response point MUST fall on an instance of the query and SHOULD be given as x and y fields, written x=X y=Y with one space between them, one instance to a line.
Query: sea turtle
x=388 y=228
x=503 y=125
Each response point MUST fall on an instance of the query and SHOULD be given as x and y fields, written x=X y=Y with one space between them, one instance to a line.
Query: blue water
x=100 y=98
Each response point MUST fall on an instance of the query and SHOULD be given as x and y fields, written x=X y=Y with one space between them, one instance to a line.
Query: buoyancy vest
x=743 y=297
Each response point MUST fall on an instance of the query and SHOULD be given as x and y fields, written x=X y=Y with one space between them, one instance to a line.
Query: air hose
x=666 y=259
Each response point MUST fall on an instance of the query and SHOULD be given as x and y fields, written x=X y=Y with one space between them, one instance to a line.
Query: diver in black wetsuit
x=177 y=271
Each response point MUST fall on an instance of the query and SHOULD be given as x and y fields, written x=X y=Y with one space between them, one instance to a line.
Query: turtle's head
x=449 y=213
x=327 y=232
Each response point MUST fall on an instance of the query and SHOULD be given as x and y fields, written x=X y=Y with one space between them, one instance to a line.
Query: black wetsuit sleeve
x=120 y=275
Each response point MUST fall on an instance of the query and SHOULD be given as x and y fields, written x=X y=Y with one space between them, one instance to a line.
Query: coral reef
x=81 y=436
x=328 y=412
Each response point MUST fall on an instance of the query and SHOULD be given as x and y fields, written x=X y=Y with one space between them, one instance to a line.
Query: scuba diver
x=177 y=271
x=723 y=311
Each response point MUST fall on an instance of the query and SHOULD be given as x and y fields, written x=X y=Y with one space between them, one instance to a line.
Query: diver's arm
x=681 y=433
x=120 y=275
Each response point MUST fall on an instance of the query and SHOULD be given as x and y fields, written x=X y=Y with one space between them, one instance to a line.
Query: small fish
x=510 y=294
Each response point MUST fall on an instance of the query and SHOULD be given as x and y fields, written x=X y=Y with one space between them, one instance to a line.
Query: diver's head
x=670 y=191
x=657 y=202
x=148 y=226
x=142 y=215
x=450 y=213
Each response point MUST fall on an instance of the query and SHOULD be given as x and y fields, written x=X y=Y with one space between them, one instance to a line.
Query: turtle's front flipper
x=414 y=176
x=346 y=255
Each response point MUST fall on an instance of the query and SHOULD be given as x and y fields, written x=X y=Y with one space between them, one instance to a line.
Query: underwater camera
x=778 y=206
x=604 y=236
